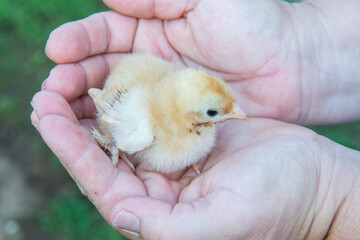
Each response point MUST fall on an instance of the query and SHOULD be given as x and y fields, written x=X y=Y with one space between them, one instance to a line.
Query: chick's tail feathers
x=106 y=98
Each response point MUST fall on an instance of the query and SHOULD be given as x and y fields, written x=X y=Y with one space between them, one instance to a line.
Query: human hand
x=264 y=179
x=266 y=85
x=279 y=65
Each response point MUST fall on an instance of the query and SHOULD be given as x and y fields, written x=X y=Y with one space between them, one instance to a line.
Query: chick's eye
x=211 y=112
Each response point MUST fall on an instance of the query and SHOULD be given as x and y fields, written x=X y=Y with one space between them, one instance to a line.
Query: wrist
x=337 y=209
x=346 y=222
x=327 y=46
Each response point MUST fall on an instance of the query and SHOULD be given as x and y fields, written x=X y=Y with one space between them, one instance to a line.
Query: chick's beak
x=236 y=113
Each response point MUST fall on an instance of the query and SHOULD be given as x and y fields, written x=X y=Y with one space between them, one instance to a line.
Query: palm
x=241 y=178
x=254 y=59
x=243 y=172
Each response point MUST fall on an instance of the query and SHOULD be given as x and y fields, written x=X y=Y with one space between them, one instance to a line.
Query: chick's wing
x=121 y=116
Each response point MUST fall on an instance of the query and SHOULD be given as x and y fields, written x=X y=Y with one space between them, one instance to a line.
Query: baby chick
x=161 y=112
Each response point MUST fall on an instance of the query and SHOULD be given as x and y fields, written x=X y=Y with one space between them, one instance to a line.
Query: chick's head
x=208 y=99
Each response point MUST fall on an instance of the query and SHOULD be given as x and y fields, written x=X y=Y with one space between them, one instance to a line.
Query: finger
x=104 y=32
x=88 y=165
x=162 y=9
x=85 y=161
x=129 y=218
x=236 y=135
x=34 y=119
x=159 y=186
x=75 y=147
x=152 y=39
x=156 y=219
x=75 y=79
x=88 y=124
x=59 y=128
x=46 y=102
x=83 y=107
x=191 y=175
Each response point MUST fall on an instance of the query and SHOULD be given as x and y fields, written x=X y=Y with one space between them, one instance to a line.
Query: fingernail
x=43 y=85
x=127 y=222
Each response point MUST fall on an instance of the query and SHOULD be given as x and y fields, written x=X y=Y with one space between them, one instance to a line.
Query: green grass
x=344 y=134
x=71 y=217
x=24 y=28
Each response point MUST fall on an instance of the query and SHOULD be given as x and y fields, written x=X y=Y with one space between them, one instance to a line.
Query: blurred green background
x=49 y=205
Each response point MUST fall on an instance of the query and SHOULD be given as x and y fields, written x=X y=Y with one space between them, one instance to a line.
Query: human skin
x=264 y=179
x=293 y=62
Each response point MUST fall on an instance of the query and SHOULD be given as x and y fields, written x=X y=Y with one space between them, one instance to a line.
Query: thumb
x=148 y=218
x=163 y=9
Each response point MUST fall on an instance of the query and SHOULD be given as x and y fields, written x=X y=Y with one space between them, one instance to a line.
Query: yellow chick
x=161 y=112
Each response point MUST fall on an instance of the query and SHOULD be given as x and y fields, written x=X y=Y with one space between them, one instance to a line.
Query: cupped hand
x=264 y=49
x=261 y=171
x=236 y=42
x=263 y=179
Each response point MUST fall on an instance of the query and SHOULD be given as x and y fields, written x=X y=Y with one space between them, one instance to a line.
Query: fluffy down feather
x=164 y=113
